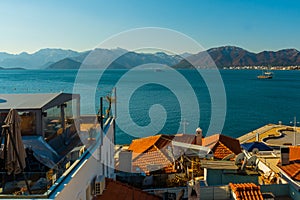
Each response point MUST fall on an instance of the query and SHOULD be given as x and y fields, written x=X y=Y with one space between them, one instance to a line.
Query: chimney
x=199 y=136
x=285 y=155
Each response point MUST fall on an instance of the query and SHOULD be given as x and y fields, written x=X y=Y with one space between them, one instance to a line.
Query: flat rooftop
x=273 y=135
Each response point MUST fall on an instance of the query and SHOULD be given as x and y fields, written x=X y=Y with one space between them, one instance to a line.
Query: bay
x=250 y=102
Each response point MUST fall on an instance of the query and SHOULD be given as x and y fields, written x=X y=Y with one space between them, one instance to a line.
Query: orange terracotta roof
x=142 y=144
x=210 y=141
x=153 y=157
x=116 y=190
x=148 y=159
x=294 y=153
x=220 y=143
x=153 y=150
x=246 y=191
x=293 y=168
x=221 y=151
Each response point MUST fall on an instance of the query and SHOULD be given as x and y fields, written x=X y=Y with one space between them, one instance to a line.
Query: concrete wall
x=224 y=177
x=206 y=193
x=107 y=152
x=79 y=184
x=276 y=189
x=294 y=193
x=216 y=193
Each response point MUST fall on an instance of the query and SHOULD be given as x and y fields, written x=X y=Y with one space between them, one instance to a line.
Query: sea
x=149 y=102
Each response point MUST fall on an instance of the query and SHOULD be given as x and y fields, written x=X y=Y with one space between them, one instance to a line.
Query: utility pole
x=295 y=130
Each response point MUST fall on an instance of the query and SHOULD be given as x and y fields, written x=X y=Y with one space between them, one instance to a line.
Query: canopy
x=258 y=145
x=43 y=152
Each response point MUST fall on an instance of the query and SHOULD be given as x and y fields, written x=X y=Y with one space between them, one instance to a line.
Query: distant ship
x=266 y=75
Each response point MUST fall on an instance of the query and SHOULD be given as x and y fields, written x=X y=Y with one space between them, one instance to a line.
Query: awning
x=42 y=151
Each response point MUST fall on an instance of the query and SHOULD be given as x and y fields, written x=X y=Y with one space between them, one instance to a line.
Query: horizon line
x=86 y=50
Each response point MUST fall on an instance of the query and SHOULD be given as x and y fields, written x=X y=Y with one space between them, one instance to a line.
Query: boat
x=68 y=155
x=266 y=75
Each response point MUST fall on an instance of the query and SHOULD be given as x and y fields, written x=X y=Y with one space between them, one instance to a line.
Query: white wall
x=76 y=186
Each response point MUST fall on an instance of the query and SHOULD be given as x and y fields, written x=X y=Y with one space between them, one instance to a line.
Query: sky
x=255 y=25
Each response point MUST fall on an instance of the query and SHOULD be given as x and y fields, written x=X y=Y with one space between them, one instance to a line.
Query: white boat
x=68 y=156
x=266 y=75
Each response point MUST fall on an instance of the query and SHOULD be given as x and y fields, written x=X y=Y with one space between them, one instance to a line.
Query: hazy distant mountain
x=221 y=56
x=116 y=58
x=65 y=63
x=13 y=68
x=234 y=56
x=36 y=60
x=185 y=55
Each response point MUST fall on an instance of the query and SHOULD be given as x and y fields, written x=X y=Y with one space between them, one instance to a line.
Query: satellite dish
x=252 y=161
x=239 y=158
x=255 y=151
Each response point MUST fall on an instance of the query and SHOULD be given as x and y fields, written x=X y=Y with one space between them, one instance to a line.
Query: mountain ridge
x=224 y=56
x=231 y=56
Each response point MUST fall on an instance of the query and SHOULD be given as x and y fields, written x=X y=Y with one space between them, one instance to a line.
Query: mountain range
x=222 y=56
x=228 y=56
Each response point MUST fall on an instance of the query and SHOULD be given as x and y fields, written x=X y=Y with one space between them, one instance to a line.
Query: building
x=290 y=169
x=160 y=153
x=222 y=145
x=62 y=160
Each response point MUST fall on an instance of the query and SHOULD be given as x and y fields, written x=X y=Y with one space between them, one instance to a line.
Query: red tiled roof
x=294 y=153
x=221 y=151
x=143 y=144
x=246 y=191
x=293 y=168
x=153 y=150
x=154 y=158
x=222 y=145
x=116 y=190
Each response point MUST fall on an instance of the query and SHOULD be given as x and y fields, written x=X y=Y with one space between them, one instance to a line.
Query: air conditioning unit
x=99 y=185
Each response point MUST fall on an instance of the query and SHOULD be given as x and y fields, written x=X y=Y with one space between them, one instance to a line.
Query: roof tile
x=116 y=190
x=246 y=191
x=222 y=145
x=293 y=169
x=294 y=153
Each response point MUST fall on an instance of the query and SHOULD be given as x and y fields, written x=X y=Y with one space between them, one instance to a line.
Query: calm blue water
x=251 y=102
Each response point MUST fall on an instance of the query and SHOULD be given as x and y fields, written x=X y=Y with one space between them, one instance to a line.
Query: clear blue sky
x=255 y=25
